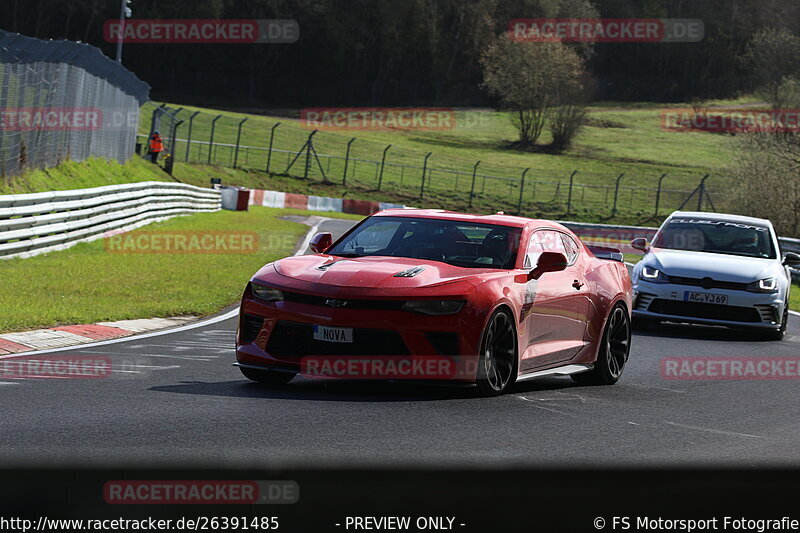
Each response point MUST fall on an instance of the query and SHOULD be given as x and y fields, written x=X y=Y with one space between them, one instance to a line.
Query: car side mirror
x=791 y=259
x=640 y=244
x=548 y=262
x=321 y=242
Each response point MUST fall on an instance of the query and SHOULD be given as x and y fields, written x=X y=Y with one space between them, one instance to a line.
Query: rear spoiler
x=604 y=252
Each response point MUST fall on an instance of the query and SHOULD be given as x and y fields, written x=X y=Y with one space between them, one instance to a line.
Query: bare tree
x=532 y=80
x=766 y=179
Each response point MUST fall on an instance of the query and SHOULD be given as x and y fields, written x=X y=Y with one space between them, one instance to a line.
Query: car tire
x=778 y=334
x=267 y=377
x=498 y=362
x=614 y=350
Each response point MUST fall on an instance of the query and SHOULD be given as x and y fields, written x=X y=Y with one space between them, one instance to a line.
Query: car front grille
x=704 y=310
x=296 y=339
x=708 y=283
x=325 y=301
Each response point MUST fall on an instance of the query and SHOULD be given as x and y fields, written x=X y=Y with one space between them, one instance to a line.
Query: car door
x=556 y=304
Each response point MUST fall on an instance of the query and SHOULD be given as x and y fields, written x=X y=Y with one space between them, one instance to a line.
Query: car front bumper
x=667 y=301
x=279 y=337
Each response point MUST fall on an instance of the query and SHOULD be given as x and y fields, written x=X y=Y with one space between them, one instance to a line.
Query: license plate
x=329 y=334
x=706 y=298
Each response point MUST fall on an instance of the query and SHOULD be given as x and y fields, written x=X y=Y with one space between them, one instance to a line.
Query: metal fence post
x=211 y=140
x=616 y=194
x=521 y=187
x=701 y=189
x=156 y=118
x=271 y=139
x=309 y=148
x=424 y=171
x=238 y=140
x=658 y=193
x=472 y=189
x=569 y=195
x=171 y=161
x=189 y=140
x=383 y=163
x=346 y=161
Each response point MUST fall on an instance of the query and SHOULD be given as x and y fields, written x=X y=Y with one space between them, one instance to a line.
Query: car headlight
x=653 y=275
x=433 y=307
x=268 y=294
x=765 y=285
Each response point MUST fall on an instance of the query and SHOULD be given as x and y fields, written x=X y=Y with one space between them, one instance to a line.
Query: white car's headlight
x=434 y=307
x=268 y=294
x=766 y=285
x=653 y=275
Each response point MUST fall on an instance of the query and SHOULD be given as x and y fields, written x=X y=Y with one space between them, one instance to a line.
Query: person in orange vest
x=156 y=146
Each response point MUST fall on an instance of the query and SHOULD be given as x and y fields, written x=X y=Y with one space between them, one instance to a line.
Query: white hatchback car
x=710 y=268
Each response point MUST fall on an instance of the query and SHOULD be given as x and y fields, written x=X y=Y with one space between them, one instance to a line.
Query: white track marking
x=141 y=325
x=714 y=431
x=646 y=387
x=533 y=403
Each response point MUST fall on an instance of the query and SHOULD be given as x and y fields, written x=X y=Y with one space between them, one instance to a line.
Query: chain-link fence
x=284 y=147
x=62 y=100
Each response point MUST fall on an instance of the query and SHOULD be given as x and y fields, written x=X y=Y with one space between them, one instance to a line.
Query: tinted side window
x=571 y=247
x=543 y=241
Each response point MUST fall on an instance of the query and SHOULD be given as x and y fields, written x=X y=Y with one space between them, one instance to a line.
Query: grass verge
x=618 y=139
x=87 y=283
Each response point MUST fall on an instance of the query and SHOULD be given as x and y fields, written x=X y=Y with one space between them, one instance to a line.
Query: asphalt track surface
x=175 y=399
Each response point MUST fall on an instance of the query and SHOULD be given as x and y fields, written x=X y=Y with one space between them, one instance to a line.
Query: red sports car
x=437 y=295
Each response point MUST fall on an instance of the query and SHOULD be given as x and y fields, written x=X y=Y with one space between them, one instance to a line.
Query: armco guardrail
x=32 y=224
x=619 y=237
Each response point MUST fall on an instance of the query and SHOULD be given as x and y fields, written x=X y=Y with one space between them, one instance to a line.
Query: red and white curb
x=286 y=200
x=63 y=336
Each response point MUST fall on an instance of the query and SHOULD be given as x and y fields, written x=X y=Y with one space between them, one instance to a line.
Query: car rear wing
x=604 y=252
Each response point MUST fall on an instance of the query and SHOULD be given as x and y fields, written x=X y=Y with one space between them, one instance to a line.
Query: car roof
x=441 y=214
x=723 y=217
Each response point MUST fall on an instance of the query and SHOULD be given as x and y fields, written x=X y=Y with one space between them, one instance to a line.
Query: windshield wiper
x=351 y=254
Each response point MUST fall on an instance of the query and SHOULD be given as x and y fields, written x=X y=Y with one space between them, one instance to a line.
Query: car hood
x=720 y=267
x=373 y=272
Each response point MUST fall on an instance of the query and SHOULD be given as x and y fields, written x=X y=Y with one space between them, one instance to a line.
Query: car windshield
x=458 y=243
x=716 y=236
